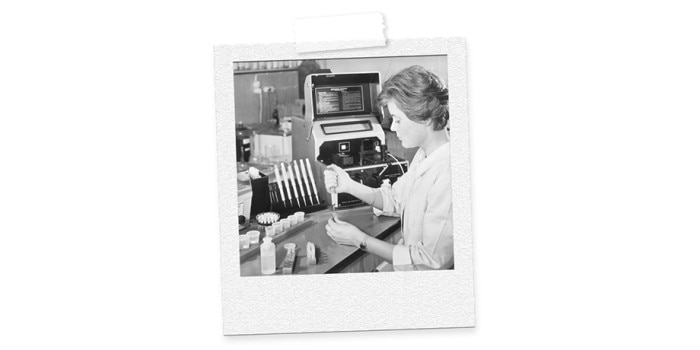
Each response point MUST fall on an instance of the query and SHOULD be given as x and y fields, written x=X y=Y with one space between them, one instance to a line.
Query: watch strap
x=363 y=244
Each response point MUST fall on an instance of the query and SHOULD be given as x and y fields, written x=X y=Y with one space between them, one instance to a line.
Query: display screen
x=339 y=99
x=341 y=128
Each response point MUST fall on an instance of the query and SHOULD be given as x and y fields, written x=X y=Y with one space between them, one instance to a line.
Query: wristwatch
x=363 y=245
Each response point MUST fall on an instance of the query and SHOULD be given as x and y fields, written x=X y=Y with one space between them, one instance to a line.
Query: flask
x=267 y=256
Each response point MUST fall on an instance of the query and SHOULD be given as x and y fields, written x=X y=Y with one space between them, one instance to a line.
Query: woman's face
x=410 y=133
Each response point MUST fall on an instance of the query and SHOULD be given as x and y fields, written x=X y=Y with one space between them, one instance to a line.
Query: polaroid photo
x=344 y=187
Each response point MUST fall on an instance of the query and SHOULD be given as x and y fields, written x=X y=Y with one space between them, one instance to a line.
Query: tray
x=254 y=249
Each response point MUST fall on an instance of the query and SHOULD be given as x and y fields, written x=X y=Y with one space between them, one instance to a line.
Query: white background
x=584 y=123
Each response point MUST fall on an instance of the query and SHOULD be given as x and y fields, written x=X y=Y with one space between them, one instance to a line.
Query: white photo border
x=352 y=301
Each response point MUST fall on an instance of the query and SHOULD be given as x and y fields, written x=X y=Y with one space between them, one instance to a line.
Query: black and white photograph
x=344 y=165
x=349 y=175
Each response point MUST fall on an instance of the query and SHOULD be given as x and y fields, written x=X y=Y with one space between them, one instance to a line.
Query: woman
x=418 y=104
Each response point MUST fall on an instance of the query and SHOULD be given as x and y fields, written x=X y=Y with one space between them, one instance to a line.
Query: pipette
x=278 y=178
x=291 y=179
x=334 y=198
x=301 y=184
x=286 y=181
x=334 y=189
x=313 y=181
x=306 y=180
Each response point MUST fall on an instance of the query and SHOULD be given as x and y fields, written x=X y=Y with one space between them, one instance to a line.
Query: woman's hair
x=419 y=94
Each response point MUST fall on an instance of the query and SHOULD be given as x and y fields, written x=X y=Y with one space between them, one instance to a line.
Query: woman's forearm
x=380 y=248
x=369 y=195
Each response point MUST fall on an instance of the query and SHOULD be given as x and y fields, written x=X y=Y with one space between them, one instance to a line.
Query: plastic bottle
x=267 y=257
x=387 y=185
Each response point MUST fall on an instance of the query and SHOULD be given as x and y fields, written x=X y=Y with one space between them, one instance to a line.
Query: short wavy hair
x=420 y=94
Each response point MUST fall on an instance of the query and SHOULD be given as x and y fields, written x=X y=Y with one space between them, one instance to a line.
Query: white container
x=277 y=148
x=245 y=241
x=300 y=216
x=278 y=227
x=293 y=220
x=285 y=224
x=254 y=236
x=269 y=231
x=267 y=257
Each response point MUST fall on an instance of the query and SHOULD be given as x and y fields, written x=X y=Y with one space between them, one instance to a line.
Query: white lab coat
x=423 y=198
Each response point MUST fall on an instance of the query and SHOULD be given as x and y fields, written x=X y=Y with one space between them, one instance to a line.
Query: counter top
x=331 y=257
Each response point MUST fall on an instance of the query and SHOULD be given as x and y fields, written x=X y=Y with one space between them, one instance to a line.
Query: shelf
x=259 y=71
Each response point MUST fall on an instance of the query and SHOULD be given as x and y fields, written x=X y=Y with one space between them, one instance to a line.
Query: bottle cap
x=267 y=239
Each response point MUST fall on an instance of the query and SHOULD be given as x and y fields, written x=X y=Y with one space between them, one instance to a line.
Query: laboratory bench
x=331 y=257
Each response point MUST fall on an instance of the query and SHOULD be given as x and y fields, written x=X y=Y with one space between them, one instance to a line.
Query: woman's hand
x=337 y=180
x=343 y=232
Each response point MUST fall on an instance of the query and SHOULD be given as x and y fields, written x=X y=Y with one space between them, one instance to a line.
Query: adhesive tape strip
x=351 y=32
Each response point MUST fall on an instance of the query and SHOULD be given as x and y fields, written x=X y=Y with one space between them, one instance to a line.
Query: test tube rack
x=291 y=191
x=288 y=207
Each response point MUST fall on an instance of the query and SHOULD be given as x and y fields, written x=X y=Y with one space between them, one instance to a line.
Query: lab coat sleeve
x=435 y=250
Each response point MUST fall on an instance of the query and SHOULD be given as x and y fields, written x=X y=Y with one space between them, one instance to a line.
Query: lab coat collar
x=441 y=154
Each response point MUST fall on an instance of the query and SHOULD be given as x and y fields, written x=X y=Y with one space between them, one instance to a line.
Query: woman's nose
x=393 y=126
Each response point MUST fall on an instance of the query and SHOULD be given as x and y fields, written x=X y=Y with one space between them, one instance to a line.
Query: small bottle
x=387 y=185
x=243 y=135
x=267 y=256
x=276 y=117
